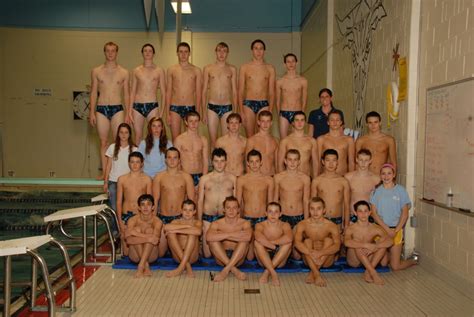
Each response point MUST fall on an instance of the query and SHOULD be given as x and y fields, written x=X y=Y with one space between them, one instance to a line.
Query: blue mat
x=349 y=269
x=292 y=266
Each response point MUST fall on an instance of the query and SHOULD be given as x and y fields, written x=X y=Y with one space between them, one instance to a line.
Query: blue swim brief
x=254 y=221
x=336 y=220
x=220 y=110
x=256 y=105
x=210 y=218
x=145 y=108
x=292 y=220
x=196 y=178
x=288 y=115
x=182 y=110
x=167 y=219
x=126 y=216
x=109 y=111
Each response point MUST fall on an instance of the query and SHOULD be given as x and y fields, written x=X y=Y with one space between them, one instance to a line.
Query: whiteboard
x=449 y=143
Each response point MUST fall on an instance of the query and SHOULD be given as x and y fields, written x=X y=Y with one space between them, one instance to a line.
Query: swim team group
x=311 y=197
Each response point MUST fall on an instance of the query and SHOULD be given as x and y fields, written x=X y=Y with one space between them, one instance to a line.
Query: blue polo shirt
x=320 y=121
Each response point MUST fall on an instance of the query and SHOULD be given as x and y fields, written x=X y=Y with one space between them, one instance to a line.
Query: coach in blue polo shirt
x=318 y=118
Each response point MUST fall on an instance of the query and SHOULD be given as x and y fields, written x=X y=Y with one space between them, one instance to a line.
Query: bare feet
x=174 y=272
x=239 y=274
x=146 y=270
x=264 y=278
x=139 y=273
x=222 y=275
x=275 y=280
x=320 y=281
x=310 y=278
x=368 y=277
x=377 y=279
x=190 y=273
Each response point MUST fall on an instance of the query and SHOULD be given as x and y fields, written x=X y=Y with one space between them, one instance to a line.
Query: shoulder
x=304 y=177
x=349 y=175
x=204 y=139
x=122 y=69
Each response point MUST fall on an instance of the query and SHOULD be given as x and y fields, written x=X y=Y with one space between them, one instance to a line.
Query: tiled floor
x=410 y=293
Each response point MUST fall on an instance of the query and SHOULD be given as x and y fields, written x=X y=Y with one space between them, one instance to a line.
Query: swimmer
x=381 y=145
x=291 y=94
x=183 y=93
x=183 y=238
x=170 y=188
x=335 y=139
x=234 y=144
x=334 y=189
x=292 y=190
x=318 y=239
x=143 y=235
x=390 y=205
x=273 y=240
x=213 y=189
x=305 y=144
x=362 y=181
x=229 y=240
x=254 y=192
x=265 y=143
x=129 y=188
x=111 y=81
x=256 y=87
x=146 y=79
x=194 y=148
x=219 y=92
x=366 y=243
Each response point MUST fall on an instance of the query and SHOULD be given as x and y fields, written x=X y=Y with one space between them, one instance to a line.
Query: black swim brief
x=273 y=252
x=210 y=218
x=254 y=221
x=196 y=178
x=256 y=105
x=167 y=219
x=336 y=220
x=126 y=216
x=292 y=220
x=182 y=110
x=145 y=108
x=288 y=115
x=109 y=111
x=220 y=110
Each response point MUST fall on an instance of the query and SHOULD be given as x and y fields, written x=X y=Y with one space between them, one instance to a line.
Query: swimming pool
x=22 y=216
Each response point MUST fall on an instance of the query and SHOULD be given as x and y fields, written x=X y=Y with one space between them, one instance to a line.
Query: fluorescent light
x=185 y=6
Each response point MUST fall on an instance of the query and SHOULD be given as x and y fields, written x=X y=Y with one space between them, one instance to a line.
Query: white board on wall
x=449 y=143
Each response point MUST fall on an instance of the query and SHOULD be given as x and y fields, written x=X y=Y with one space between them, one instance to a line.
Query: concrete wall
x=444 y=238
x=40 y=134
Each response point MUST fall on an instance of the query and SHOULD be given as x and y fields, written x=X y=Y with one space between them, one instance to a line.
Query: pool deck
x=414 y=292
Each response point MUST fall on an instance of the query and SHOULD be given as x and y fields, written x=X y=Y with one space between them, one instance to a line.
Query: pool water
x=21 y=215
